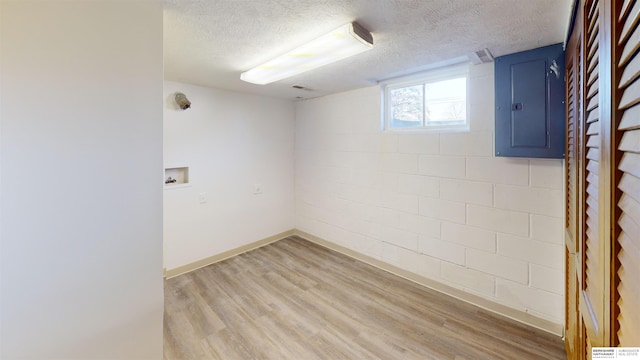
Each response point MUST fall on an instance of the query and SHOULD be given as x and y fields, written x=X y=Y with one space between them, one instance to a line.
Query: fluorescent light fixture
x=347 y=40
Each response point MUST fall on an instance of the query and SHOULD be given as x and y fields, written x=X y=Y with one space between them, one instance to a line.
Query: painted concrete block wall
x=231 y=142
x=80 y=160
x=437 y=204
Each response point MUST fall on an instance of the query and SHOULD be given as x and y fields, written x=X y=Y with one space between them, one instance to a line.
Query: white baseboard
x=225 y=255
x=517 y=315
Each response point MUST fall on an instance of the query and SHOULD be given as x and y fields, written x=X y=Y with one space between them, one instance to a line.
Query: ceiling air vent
x=300 y=87
x=480 y=57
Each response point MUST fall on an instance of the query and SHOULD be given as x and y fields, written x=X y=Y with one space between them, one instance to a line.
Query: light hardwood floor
x=296 y=300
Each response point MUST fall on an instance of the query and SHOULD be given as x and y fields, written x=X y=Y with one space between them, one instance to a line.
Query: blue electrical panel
x=530 y=110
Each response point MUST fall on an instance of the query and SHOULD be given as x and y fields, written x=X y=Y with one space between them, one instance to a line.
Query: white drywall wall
x=80 y=185
x=230 y=142
x=437 y=204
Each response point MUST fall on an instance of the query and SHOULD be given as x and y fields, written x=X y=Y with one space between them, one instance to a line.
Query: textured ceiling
x=210 y=42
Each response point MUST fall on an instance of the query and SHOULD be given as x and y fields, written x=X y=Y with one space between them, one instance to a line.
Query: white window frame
x=431 y=76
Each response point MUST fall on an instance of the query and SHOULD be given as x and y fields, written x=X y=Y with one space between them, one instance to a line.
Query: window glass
x=434 y=101
x=446 y=101
x=407 y=105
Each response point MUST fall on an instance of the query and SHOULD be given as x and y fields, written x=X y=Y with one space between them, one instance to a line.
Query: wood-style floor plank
x=296 y=300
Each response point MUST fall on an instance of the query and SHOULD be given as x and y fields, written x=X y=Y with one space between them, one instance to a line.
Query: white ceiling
x=210 y=42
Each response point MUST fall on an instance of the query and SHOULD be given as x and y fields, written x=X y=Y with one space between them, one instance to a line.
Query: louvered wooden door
x=627 y=193
x=603 y=178
x=573 y=158
x=593 y=245
x=573 y=161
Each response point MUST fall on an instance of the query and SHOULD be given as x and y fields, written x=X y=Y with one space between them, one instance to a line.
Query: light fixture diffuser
x=347 y=40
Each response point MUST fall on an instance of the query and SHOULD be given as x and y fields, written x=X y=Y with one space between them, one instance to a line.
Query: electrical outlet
x=257 y=189
x=202 y=198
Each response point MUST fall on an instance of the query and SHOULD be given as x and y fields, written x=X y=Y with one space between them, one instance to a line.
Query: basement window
x=434 y=100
